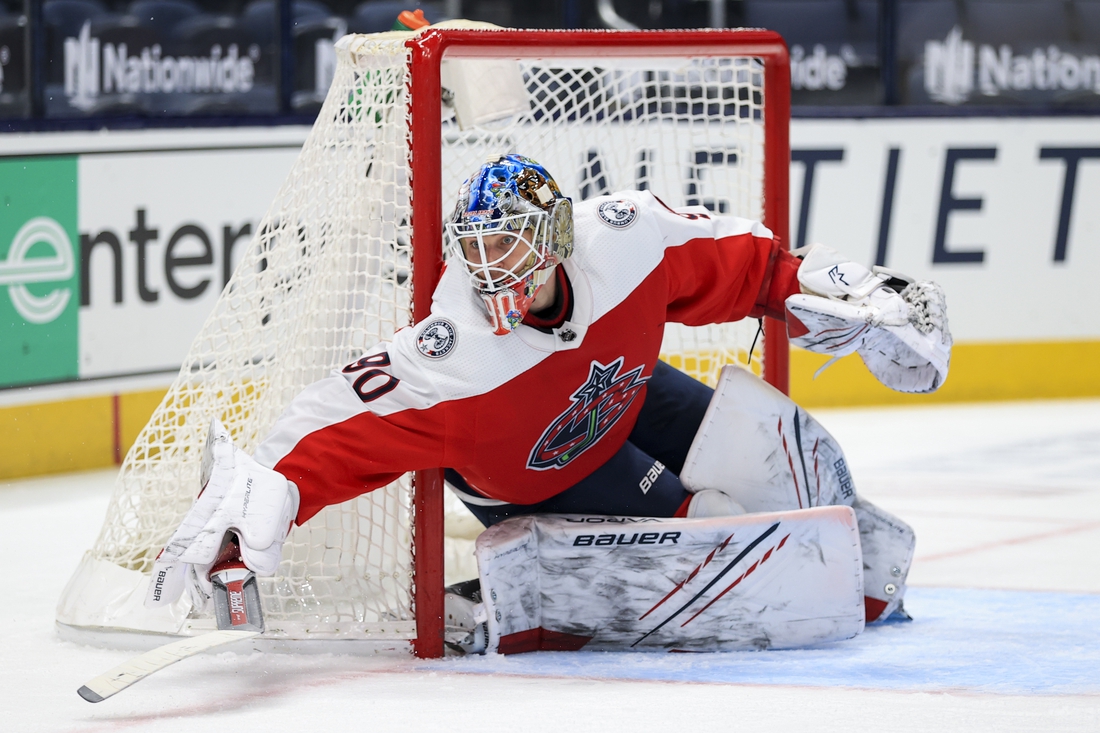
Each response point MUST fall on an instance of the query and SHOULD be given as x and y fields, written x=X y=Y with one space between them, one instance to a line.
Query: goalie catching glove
x=238 y=496
x=897 y=326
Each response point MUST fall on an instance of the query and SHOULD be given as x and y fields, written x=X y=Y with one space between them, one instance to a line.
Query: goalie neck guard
x=510 y=227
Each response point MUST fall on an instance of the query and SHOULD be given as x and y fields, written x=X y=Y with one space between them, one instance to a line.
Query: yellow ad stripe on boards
x=56 y=437
x=72 y=435
x=94 y=432
x=979 y=372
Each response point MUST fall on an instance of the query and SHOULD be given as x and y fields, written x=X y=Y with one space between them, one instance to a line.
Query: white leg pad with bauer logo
x=768 y=454
x=764 y=451
x=774 y=580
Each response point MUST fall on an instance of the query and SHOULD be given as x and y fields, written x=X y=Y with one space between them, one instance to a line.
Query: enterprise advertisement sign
x=110 y=262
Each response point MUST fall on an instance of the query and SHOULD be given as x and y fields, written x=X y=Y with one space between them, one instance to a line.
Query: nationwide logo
x=89 y=73
x=5 y=57
x=19 y=270
x=597 y=406
x=954 y=69
x=821 y=70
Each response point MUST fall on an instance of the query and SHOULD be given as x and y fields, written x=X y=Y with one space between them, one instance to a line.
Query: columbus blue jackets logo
x=437 y=339
x=617 y=214
x=597 y=406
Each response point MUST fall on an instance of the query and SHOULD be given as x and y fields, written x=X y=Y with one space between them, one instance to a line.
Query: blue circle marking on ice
x=989 y=641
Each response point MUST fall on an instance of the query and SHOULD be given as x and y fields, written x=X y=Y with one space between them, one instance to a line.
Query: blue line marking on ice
x=994 y=641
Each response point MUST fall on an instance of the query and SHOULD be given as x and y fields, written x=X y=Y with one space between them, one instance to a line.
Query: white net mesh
x=328 y=275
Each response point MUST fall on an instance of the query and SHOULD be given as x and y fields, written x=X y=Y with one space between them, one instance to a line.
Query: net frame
x=427 y=50
x=418 y=617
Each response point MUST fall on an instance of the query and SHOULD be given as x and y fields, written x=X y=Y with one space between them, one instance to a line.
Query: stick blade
x=89 y=694
x=118 y=679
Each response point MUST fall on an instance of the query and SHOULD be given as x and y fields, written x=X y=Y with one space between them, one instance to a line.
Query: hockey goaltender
x=628 y=506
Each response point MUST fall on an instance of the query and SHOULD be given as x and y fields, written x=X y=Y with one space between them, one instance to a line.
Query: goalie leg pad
x=764 y=451
x=712 y=503
x=777 y=580
x=888 y=545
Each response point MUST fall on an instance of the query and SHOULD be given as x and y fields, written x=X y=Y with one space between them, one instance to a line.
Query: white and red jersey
x=525 y=416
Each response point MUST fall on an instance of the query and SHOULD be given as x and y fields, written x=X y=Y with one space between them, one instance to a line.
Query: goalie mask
x=511 y=226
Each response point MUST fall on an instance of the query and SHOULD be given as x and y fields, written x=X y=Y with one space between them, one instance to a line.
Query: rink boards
x=995 y=209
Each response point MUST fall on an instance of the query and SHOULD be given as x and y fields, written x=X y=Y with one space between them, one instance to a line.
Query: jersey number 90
x=373 y=383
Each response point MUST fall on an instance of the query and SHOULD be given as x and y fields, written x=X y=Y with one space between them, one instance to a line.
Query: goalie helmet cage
x=351 y=250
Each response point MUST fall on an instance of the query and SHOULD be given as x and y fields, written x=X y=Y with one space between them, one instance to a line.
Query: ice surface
x=962 y=639
x=1005 y=500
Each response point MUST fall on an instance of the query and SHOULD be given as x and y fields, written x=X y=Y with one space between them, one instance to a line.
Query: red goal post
x=425 y=133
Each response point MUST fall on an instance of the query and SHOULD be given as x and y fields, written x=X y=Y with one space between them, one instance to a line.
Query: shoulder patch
x=437 y=338
x=617 y=214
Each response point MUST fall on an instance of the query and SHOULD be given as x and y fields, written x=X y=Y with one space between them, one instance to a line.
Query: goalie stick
x=236 y=607
x=138 y=668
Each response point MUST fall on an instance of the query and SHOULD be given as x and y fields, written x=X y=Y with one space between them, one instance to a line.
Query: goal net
x=350 y=251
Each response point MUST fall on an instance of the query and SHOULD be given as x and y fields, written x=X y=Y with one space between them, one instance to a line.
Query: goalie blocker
x=762 y=581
